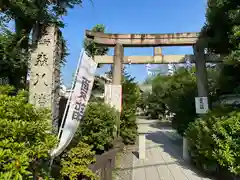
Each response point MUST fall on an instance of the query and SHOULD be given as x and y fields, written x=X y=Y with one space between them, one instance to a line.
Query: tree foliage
x=98 y=88
x=176 y=93
x=75 y=162
x=13 y=61
x=25 y=138
x=93 y=137
x=130 y=99
x=222 y=37
x=93 y=48
x=98 y=126
x=214 y=141
x=26 y=15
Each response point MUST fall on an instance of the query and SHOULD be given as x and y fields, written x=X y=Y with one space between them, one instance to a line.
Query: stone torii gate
x=119 y=41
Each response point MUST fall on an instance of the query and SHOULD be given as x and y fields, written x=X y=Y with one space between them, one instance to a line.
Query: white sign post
x=77 y=102
x=201 y=104
x=113 y=96
x=117 y=97
x=108 y=94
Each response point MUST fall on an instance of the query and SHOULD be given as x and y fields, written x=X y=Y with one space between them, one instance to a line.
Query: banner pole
x=68 y=103
x=70 y=94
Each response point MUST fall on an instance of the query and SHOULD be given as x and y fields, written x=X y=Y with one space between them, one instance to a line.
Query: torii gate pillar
x=118 y=64
x=201 y=71
x=202 y=86
x=113 y=93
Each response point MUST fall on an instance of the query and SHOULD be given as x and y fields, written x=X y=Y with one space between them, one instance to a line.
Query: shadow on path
x=171 y=143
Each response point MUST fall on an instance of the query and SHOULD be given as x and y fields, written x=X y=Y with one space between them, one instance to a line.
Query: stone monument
x=44 y=85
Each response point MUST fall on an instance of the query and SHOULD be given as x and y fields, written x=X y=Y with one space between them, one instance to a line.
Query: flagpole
x=70 y=94
x=68 y=103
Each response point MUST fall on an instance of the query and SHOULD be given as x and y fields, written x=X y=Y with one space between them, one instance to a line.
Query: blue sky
x=131 y=16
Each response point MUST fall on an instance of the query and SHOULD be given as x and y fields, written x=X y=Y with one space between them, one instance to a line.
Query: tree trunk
x=22 y=29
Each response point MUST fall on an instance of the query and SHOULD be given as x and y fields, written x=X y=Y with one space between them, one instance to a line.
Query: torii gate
x=119 y=41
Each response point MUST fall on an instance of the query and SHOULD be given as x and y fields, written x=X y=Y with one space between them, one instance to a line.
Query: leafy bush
x=24 y=139
x=6 y=89
x=214 y=140
x=94 y=135
x=75 y=162
x=128 y=126
x=98 y=126
x=155 y=106
x=130 y=98
x=177 y=93
x=13 y=59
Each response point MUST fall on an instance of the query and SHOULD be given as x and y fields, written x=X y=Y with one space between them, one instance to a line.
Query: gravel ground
x=124 y=163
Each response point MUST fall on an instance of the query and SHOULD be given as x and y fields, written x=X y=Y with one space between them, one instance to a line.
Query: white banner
x=77 y=102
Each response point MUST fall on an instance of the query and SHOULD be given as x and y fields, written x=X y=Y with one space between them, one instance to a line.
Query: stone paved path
x=163 y=155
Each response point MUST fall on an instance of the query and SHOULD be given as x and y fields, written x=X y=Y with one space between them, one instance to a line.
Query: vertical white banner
x=78 y=102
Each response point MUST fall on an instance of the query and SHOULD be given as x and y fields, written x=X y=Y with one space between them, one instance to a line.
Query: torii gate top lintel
x=144 y=40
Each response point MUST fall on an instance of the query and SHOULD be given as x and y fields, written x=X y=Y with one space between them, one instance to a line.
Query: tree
x=98 y=87
x=130 y=100
x=27 y=14
x=222 y=37
x=176 y=94
x=94 y=49
x=12 y=59
x=91 y=47
x=148 y=80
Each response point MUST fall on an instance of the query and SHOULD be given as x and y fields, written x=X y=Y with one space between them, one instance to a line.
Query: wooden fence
x=105 y=163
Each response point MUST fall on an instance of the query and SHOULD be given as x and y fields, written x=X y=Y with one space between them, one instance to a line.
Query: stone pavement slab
x=163 y=156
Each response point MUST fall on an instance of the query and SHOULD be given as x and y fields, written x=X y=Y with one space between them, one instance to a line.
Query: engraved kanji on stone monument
x=42 y=59
x=38 y=77
x=45 y=41
x=44 y=82
x=41 y=99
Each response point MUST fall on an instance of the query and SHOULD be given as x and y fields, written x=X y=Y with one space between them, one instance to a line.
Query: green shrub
x=155 y=105
x=75 y=162
x=128 y=127
x=24 y=139
x=6 y=89
x=98 y=126
x=130 y=100
x=177 y=93
x=214 y=141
